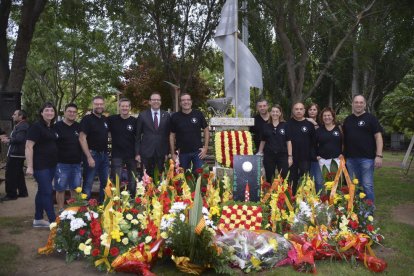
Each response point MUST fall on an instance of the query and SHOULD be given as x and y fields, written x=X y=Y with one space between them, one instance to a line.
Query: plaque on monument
x=247 y=170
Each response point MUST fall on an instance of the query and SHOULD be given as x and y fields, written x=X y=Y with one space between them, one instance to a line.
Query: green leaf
x=195 y=215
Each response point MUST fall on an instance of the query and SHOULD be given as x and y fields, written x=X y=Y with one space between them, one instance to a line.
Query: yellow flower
x=370 y=218
x=362 y=195
x=355 y=181
x=81 y=246
x=78 y=190
x=273 y=243
x=215 y=210
x=347 y=197
x=329 y=185
x=84 y=196
x=255 y=262
x=52 y=225
x=116 y=235
x=164 y=235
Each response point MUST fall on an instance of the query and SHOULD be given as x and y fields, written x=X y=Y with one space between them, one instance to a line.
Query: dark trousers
x=152 y=162
x=271 y=161
x=297 y=170
x=117 y=164
x=15 y=181
x=44 y=199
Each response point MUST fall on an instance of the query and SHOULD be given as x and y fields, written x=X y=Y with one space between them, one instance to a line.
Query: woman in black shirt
x=328 y=140
x=315 y=173
x=276 y=150
x=41 y=156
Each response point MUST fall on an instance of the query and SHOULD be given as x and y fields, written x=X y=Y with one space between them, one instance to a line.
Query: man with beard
x=260 y=120
x=68 y=169
x=363 y=145
x=153 y=130
x=94 y=142
x=301 y=133
x=122 y=128
x=15 y=181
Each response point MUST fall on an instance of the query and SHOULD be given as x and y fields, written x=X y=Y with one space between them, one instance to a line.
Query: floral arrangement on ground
x=194 y=222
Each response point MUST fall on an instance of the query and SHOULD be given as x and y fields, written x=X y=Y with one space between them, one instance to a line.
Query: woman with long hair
x=41 y=156
x=329 y=144
x=315 y=172
x=276 y=150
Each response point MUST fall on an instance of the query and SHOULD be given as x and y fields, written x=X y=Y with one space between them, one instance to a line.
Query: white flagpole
x=236 y=62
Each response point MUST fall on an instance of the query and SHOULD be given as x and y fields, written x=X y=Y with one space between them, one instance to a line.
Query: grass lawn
x=392 y=187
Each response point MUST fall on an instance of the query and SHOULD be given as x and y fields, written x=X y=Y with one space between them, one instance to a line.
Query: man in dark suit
x=153 y=130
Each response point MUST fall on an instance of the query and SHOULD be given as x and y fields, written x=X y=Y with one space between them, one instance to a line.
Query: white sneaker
x=40 y=223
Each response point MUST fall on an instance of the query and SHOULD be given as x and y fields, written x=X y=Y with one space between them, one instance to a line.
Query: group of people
x=66 y=154
x=304 y=144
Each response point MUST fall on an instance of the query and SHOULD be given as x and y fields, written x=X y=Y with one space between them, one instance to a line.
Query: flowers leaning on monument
x=229 y=143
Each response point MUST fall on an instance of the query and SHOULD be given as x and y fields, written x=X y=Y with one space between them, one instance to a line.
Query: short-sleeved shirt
x=359 y=135
x=187 y=129
x=257 y=130
x=328 y=142
x=302 y=136
x=123 y=136
x=45 y=151
x=275 y=138
x=96 y=130
x=69 y=149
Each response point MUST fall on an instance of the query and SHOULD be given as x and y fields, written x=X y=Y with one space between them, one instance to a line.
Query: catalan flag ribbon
x=247 y=193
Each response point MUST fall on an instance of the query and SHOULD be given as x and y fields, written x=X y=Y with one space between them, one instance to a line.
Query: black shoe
x=23 y=195
x=7 y=198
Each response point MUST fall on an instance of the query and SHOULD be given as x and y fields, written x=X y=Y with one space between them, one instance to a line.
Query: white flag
x=249 y=70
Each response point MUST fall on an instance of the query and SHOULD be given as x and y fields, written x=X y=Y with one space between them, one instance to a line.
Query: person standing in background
x=260 y=120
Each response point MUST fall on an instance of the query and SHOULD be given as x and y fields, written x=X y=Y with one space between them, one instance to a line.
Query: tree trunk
x=5 y=6
x=355 y=71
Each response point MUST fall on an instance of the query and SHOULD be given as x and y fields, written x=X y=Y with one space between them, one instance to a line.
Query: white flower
x=125 y=193
x=94 y=215
x=116 y=198
x=129 y=217
x=182 y=217
x=177 y=207
x=67 y=214
x=52 y=225
x=134 y=221
x=104 y=240
x=76 y=224
x=148 y=239
x=125 y=241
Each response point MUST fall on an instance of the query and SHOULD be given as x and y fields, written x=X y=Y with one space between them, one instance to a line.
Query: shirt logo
x=194 y=120
x=57 y=135
x=105 y=125
x=282 y=131
x=335 y=133
x=76 y=133
x=129 y=127
x=304 y=129
x=361 y=123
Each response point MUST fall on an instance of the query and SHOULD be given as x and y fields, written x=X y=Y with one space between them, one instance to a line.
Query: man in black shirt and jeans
x=260 y=120
x=301 y=133
x=122 y=128
x=186 y=126
x=94 y=142
x=15 y=181
x=68 y=169
x=363 y=145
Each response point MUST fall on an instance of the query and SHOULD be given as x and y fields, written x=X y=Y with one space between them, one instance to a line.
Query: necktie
x=155 y=120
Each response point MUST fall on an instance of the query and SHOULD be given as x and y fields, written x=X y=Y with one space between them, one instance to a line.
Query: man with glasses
x=153 y=130
x=68 y=169
x=186 y=126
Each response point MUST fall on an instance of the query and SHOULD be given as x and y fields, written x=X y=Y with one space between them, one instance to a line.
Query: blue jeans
x=67 y=176
x=101 y=169
x=44 y=199
x=316 y=173
x=190 y=157
x=363 y=170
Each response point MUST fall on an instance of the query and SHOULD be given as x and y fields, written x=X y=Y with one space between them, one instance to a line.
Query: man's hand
x=91 y=162
x=378 y=162
x=138 y=158
x=203 y=153
x=290 y=161
x=29 y=171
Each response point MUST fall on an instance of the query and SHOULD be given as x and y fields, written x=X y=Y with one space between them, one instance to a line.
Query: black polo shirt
x=257 y=130
x=45 y=151
x=328 y=142
x=275 y=138
x=123 y=136
x=69 y=149
x=302 y=136
x=187 y=129
x=96 y=129
x=359 y=135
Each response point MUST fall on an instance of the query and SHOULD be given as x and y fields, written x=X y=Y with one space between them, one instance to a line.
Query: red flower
x=70 y=200
x=114 y=251
x=345 y=190
x=82 y=232
x=369 y=202
x=204 y=189
x=96 y=252
x=83 y=209
x=379 y=238
x=324 y=198
x=199 y=170
x=134 y=211
x=353 y=224
x=205 y=175
x=138 y=200
x=93 y=202
x=370 y=227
